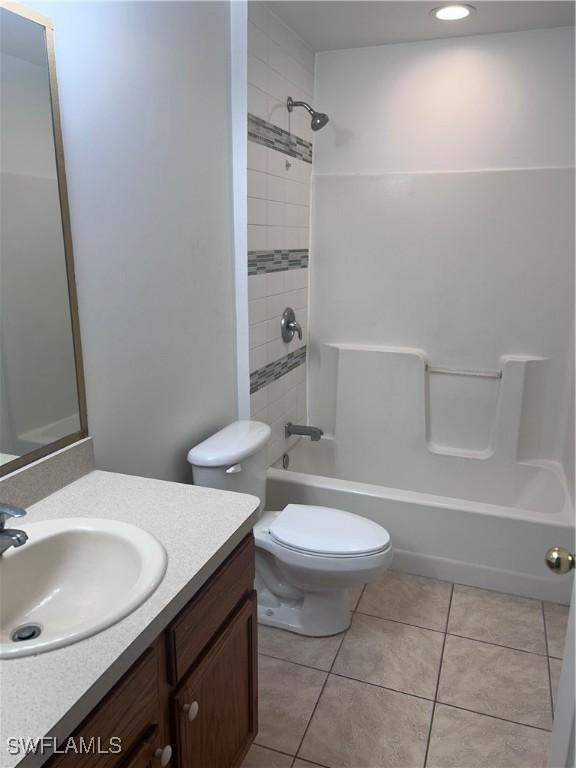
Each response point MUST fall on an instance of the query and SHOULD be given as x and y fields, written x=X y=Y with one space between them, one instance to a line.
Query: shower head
x=319 y=119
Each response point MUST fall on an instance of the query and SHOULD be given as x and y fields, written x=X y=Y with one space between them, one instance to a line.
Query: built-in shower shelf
x=462 y=453
x=463 y=372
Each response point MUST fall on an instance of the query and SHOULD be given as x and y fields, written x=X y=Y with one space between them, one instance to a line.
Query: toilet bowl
x=307 y=557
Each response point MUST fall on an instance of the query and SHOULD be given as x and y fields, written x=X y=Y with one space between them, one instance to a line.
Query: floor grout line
x=360 y=596
x=548 y=660
x=382 y=687
x=321 y=765
x=496 y=591
x=494 y=717
x=321 y=692
x=438 y=677
x=397 y=621
x=448 y=614
x=273 y=749
x=498 y=645
x=299 y=663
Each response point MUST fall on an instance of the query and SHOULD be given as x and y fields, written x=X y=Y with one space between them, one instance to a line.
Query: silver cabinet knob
x=191 y=710
x=163 y=755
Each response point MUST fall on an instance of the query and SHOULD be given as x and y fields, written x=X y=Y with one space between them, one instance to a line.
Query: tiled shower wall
x=279 y=168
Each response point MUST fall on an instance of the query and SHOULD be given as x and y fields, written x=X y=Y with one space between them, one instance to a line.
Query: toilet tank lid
x=234 y=443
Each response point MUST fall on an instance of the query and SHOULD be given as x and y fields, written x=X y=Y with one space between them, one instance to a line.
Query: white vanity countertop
x=51 y=693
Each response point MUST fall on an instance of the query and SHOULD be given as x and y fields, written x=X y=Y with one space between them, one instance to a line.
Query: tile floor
x=429 y=674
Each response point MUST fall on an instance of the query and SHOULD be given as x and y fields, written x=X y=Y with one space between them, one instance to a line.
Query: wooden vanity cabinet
x=193 y=692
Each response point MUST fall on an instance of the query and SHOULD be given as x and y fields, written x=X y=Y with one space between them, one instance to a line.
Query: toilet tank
x=234 y=459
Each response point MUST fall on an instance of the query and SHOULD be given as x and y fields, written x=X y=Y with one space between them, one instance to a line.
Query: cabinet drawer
x=129 y=711
x=191 y=631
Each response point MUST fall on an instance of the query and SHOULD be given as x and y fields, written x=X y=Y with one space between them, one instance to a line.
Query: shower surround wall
x=279 y=170
x=442 y=213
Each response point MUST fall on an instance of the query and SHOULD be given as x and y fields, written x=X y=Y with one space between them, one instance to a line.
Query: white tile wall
x=279 y=65
x=278 y=200
x=282 y=401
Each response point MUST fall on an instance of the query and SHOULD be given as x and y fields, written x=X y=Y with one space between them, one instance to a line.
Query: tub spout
x=314 y=433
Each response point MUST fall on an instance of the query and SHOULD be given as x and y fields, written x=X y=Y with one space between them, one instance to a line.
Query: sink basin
x=72 y=579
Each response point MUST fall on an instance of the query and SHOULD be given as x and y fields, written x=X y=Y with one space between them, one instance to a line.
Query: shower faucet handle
x=289 y=325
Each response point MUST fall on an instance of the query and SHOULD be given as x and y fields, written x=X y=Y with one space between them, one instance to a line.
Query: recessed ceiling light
x=453 y=12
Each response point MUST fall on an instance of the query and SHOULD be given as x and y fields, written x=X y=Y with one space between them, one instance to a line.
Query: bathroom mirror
x=42 y=402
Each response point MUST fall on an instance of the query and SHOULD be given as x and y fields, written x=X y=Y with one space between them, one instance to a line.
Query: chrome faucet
x=10 y=537
x=314 y=433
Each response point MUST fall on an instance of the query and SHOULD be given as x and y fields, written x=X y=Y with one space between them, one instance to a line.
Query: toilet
x=307 y=557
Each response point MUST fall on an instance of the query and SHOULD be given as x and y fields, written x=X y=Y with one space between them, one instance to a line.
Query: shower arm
x=291 y=104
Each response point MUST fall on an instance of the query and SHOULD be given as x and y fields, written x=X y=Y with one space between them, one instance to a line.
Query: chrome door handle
x=560 y=560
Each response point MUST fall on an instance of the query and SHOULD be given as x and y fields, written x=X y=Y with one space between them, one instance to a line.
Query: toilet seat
x=327 y=532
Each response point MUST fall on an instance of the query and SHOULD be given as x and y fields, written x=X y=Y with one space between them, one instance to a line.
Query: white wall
x=144 y=94
x=468 y=103
x=568 y=450
x=443 y=212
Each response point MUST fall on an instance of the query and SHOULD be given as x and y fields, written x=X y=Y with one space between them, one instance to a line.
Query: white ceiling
x=326 y=25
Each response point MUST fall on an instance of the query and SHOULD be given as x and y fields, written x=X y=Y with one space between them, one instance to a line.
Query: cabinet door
x=215 y=709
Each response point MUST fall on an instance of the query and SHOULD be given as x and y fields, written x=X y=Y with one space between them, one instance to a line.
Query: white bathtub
x=494 y=536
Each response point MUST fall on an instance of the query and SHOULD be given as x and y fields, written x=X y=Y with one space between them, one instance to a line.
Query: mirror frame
x=82 y=433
